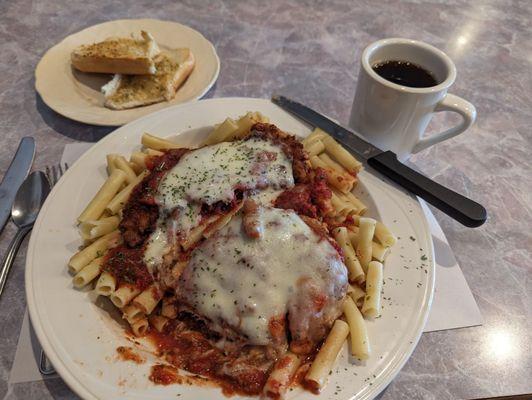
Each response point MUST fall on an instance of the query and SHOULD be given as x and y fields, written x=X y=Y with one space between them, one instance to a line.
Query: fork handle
x=10 y=255
x=45 y=366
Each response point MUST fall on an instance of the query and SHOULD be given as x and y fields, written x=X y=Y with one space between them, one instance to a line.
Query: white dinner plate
x=76 y=95
x=81 y=338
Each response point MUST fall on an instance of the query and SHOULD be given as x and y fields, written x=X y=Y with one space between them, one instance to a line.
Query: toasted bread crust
x=185 y=69
x=127 y=66
x=117 y=56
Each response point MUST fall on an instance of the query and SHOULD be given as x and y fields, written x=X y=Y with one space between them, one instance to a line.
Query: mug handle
x=455 y=104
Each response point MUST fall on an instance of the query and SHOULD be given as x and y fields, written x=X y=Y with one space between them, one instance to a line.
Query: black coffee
x=405 y=73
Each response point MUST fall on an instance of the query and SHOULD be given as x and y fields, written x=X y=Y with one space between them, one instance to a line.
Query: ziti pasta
x=253 y=244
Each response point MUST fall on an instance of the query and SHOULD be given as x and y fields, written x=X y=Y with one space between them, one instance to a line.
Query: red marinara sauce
x=311 y=199
x=127 y=266
x=191 y=351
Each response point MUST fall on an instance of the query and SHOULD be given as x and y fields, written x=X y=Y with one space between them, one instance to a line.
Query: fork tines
x=54 y=172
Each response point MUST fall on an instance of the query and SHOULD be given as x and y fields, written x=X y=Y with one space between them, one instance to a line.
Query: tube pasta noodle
x=360 y=206
x=357 y=294
x=221 y=132
x=337 y=152
x=352 y=234
x=356 y=220
x=158 y=322
x=259 y=117
x=148 y=299
x=178 y=268
x=123 y=165
x=106 y=284
x=384 y=235
x=118 y=202
x=168 y=308
x=349 y=180
x=372 y=300
x=157 y=143
x=317 y=134
x=244 y=125
x=340 y=206
x=335 y=179
x=360 y=347
x=365 y=238
x=140 y=327
x=193 y=237
x=281 y=376
x=90 y=230
x=318 y=372
x=88 y=273
x=153 y=153
x=231 y=129
x=139 y=158
x=96 y=249
x=220 y=222
x=379 y=252
x=349 y=207
x=196 y=233
x=132 y=313
x=111 y=163
x=333 y=164
x=97 y=205
x=123 y=295
x=315 y=148
x=356 y=273
x=136 y=168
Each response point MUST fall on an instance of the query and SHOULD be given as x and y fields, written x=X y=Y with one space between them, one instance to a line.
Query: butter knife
x=14 y=176
x=458 y=207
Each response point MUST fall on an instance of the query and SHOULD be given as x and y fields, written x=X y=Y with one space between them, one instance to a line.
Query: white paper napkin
x=453 y=305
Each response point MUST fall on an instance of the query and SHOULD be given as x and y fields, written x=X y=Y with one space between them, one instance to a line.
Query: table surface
x=310 y=51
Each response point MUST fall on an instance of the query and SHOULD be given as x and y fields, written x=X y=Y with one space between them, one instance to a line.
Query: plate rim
x=53 y=106
x=77 y=385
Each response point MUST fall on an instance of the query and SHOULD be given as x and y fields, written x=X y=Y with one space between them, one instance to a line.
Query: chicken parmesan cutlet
x=233 y=237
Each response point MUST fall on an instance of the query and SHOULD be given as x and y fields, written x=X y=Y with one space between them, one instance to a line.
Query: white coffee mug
x=394 y=117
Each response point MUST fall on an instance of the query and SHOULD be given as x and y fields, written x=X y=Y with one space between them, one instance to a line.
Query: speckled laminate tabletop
x=310 y=51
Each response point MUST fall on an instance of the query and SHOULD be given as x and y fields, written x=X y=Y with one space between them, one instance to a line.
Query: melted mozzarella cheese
x=246 y=282
x=266 y=197
x=157 y=246
x=211 y=174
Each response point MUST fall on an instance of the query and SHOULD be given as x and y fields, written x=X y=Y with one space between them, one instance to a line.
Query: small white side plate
x=76 y=95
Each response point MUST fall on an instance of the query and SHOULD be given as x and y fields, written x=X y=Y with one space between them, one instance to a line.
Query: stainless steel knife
x=462 y=209
x=14 y=176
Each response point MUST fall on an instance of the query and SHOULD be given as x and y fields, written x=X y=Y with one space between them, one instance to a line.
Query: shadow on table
x=58 y=389
x=78 y=130
x=69 y=128
x=381 y=394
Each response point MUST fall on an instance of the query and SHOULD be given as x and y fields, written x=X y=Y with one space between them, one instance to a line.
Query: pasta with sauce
x=250 y=236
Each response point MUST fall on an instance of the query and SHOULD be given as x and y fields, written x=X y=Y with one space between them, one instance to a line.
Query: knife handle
x=462 y=209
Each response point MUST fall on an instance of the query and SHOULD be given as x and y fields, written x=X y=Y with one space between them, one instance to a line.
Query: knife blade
x=462 y=209
x=14 y=176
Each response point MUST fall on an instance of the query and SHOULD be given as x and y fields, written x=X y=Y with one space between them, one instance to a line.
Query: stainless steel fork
x=53 y=173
